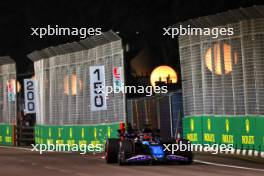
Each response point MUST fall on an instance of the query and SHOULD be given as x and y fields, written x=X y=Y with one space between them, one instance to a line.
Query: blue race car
x=144 y=147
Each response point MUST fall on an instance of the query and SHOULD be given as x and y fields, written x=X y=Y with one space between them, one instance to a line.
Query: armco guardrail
x=244 y=132
x=7 y=134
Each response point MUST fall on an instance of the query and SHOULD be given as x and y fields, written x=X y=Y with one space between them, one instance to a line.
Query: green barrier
x=246 y=137
x=7 y=134
x=259 y=134
x=244 y=132
x=211 y=129
x=75 y=134
x=193 y=129
x=228 y=130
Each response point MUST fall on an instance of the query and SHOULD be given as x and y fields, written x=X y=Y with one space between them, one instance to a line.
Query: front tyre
x=111 y=150
x=126 y=151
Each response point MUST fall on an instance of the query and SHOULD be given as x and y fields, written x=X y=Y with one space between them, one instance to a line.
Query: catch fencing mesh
x=63 y=81
x=8 y=100
x=224 y=76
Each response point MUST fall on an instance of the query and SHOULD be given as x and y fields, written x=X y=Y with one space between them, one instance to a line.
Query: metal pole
x=170 y=105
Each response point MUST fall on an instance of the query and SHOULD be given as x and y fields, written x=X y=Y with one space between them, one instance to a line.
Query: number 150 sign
x=97 y=88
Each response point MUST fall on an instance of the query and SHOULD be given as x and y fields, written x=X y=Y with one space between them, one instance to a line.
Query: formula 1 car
x=144 y=147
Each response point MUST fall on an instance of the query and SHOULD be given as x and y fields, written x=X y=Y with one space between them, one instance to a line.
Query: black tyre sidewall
x=111 y=150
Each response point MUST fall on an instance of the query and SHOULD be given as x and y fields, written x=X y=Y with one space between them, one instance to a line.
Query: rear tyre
x=188 y=154
x=190 y=159
x=111 y=150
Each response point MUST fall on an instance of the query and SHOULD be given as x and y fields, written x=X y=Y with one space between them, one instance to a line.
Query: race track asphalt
x=22 y=162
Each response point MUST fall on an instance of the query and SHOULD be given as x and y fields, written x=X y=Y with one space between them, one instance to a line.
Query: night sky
x=147 y=17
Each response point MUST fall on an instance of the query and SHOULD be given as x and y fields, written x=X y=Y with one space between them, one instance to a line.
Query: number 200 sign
x=97 y=88
x=29 y=91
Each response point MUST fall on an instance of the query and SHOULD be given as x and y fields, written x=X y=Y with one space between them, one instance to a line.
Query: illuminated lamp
x=217 y=69
x=66 y=85
x=73 y=85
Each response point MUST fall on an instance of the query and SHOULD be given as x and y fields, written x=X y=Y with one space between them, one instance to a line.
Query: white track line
x=230 y=166
x=30 y=149
x=19 y=148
